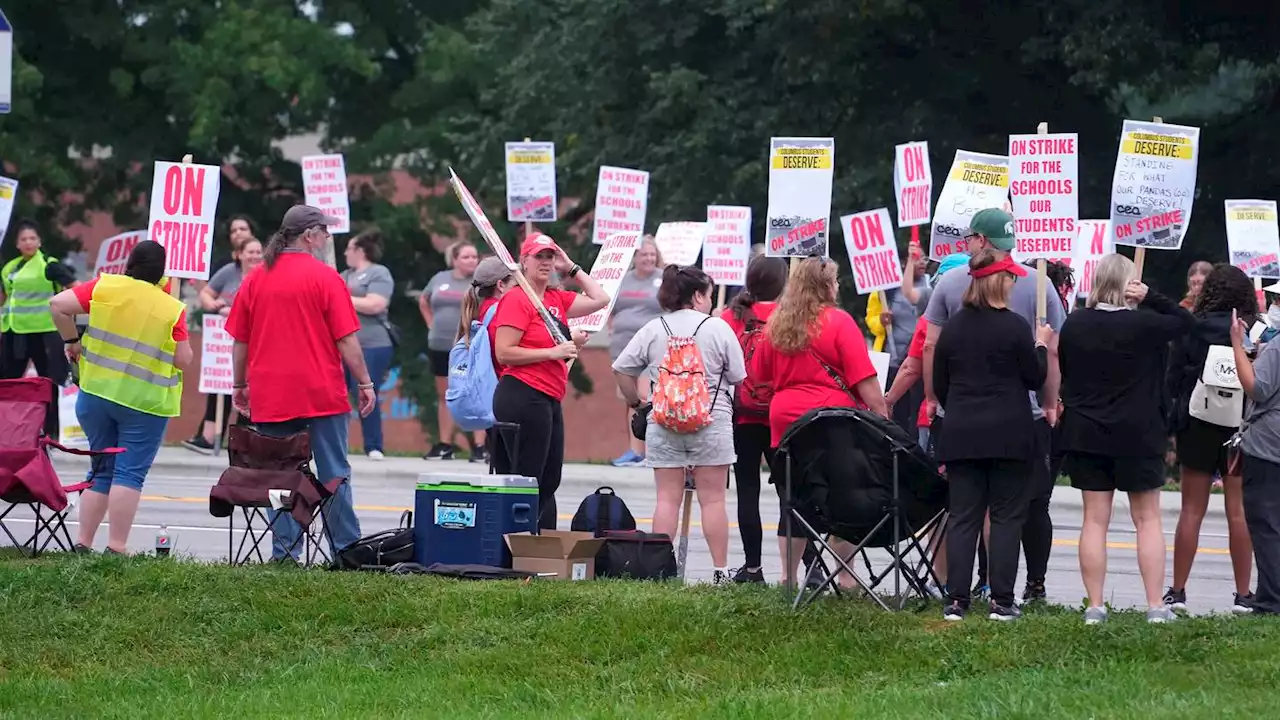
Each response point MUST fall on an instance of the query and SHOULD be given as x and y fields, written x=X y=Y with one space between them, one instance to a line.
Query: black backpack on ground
x=636 y=555
x=602 y=510
x=379 y=550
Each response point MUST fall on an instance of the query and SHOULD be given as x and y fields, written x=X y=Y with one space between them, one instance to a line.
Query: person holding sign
x=371 y=287
x=635 y=306
x=533 y=378
x=131 y=363
x=440 y=305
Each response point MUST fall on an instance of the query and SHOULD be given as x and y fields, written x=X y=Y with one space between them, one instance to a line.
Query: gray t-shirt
x=444 y=294
x=226 y=282
x=721 y=353
x=949 y=292
x=636 y=305
x=1262 y=436
x=904 y=318
x=373 y=280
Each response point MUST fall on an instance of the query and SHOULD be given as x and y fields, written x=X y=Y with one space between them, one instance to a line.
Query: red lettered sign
x=184 y=201
x=873 y=253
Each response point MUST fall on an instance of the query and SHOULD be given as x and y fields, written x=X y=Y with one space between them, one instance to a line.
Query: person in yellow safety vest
x=28 y=282
x=131 y=362
x=879 y=320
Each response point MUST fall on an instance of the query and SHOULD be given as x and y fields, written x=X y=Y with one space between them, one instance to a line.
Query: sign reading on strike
x=480 y=221
x=184 y=201
x=801 y=172
x=1154 y=184
x=324 y=183
x=531 y=181
x=976 y=182
x=1044 y=188
x=611 y=264
x=1093 y=244
x=680 y=242
x=113 y=253
x=215 y=357
x=726 y=249
x=873 y=254
x=913 y=184
x=622 y=197
x=1253 y=238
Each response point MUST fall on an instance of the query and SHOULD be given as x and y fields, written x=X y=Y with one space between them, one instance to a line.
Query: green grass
x=111 y=637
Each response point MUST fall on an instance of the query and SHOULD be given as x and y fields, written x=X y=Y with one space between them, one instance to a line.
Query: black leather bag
x=379 y=550
x=636 y=555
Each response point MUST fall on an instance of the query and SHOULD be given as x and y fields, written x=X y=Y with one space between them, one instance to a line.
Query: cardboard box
x=570 y=555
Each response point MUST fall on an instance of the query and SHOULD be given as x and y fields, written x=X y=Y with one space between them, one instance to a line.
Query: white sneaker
x=376 y=455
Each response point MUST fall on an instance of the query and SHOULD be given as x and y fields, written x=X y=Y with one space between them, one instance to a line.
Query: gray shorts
x=710 y=446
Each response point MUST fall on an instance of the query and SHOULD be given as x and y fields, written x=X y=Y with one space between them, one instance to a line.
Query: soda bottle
x=163 y=544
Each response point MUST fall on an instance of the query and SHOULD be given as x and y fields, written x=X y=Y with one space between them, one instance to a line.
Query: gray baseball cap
x=301 y=218
x=490 y=271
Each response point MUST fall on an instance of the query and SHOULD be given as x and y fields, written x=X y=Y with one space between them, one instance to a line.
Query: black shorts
x=1099 y=473
x=439 y=360
x=1201 y=446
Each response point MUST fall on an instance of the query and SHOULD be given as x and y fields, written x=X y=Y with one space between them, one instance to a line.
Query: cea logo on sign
x=951 y=230
x=1129 y=210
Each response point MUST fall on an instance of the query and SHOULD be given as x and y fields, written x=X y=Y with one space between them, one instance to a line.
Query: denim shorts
x=111 y=425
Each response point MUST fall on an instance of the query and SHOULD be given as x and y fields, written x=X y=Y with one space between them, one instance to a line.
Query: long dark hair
x=1225 y=289
x=766 y=279
x=679 y=284
x=277 y=244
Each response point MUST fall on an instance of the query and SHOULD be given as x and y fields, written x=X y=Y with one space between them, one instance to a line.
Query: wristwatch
x=573 y=271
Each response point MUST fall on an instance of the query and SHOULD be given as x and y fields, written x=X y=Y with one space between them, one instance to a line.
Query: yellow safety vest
x=129 y=347
x=26 y=296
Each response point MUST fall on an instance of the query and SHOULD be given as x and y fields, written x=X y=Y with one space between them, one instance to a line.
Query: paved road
x=177 y=495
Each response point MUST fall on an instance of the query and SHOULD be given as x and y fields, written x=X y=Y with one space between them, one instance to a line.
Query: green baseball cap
x=996 y=226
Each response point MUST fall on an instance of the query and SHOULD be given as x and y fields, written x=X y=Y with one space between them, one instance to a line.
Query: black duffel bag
x=636 y=555
x=379 y=550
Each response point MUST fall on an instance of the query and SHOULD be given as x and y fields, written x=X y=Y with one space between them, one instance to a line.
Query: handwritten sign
x=184 y=201
x=113 y=253
x=873 y=254
x=324 y=183
x=531 y=181
x=215 y=357
x=622 y=197
x=976 y=182
x=726 y=249
x=1253 y=238
x=680 y=242
x=1154 y=184
x=1044 y=188
x=801 y=173
x=610 y=266
x=1093 y=243
x=913 y=184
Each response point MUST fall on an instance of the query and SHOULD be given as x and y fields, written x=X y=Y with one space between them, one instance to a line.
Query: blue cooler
x=460 y=519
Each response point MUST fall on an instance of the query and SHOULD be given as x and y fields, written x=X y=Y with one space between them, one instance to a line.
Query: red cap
x=1005 y=265
x=536 y=243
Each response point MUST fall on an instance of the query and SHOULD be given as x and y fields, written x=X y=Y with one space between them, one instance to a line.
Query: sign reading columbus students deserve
x=184 y=201
x=324 y=182
x=913 y=184
x=873 y=254
x=531 y=181
x=1154 y=184
x=976 y=182
x=622 y=195
x=726 y=249
x=611 y=264
x=1044 y=189
x=1253 y=238
x=801 y=171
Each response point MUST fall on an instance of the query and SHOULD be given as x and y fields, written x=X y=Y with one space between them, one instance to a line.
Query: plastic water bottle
x=163 y=544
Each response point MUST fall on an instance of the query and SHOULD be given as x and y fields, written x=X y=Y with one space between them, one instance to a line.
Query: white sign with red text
x=478 y=218
x=1092 y=244
x=612 y=263
x=8 y=196
x=531 y=181
x=977 y=181
x=622 y=196
x=680 y=242
x=113 y=253
x=184 y=203
x=215 y=357
x=1154 y=184
x=913 y=184
x=1044 y=190
x=801 y=174
x=873 y=253
x=726 y=249
x=1253 y=238
x=324 y=183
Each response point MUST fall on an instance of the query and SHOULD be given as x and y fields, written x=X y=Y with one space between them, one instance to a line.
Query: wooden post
x=528 y=224
x=1140 y=253
x=720 y=298
x=1042 y=276
x=217 y=424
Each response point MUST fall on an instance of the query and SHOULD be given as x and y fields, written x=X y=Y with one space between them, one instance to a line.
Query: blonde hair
x=989 y=291
x=1110 y=278
x=794 y=323
x=648 y=240
x=452 y=252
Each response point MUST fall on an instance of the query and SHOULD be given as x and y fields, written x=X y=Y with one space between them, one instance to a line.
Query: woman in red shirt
x=748 y=314
x=533 y=376
x=813 y=355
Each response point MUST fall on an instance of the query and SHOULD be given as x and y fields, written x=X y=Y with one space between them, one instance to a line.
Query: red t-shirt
x=916 y=350
x=291 y=317
x=762 y=311
x=800 y=383
x=84 y=293
x=550 y=377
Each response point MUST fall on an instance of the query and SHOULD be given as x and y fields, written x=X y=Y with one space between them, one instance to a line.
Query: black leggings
x=211 y=411
x=1037 y=532
x=537 y=450
x=977 y=487
x=750 y=443
x=45 y=352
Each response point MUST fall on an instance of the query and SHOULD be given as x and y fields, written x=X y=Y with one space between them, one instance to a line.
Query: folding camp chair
x=29 y=484
x=270 y=479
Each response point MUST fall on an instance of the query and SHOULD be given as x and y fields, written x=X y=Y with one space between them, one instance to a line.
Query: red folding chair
x=28 y=479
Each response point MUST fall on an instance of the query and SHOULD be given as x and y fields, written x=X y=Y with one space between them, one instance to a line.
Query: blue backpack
x=472 y=378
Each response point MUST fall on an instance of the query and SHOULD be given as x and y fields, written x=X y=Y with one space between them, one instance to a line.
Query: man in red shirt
x=294 y=326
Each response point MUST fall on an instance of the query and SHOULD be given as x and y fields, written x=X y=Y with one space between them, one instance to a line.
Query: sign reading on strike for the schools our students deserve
x=726 y=249
x=113 y=253
x=324 y=182
x=215 y=357
x=479 y=220
x=1092 y=244
x=184 y=201
x=976 y=182
x=801 y=171
x=622 y=195
x=873 y=254
x=611 y=264
x=1253 y=238
x=680 y=242
x=531 y=181
x=1044 y=190
x=913 y=183
x=1154 y=184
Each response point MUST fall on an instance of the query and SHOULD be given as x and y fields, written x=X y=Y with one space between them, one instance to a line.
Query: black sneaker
x=743 y=576
x=1243 y=604
x=954 y=612
x=1033 y=592
x=198 y=444
x=440 y=451
x=1176 y=599
x=1004 y=613
x=479 y=456
x=981 y=591
x=81 y=548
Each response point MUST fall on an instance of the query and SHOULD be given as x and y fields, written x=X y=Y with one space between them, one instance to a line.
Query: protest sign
x=1154 y=184
x=680 y=242
x=801 y=171
x=184 y=201
x=1044 y=190
x=113 y=253
x=622 y=195
x=6 y=64
x=976 y=182
x=531 y=181
x=479 y=220
x=324 y=182
x=215 y=356
x=873 y=254
x=612 y=263
x=1253 y=238
x=880 y=361
x=8 y=196
x=70 y=434
x=1092 y=244
x=913 y=183
x=726 y=249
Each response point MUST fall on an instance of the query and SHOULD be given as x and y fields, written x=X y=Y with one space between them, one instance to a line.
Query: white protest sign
x=215 y=356
x=113 y=253
x=913 y=183
x=680 y=242
x=8 y=197
x=481 y=222
x=610 y=266
x=531 y=181
x=1044 y=189
x=880 y=361
x=1092 y=244
x=70 y=434
x=873 y=253
x=6 y=64
x=622 y=195
x=801 y=172
x=1154 y=184
x=1253 y=238
x=976 y=182
x=324 y=183
x=726 y=249
x=184 y=201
